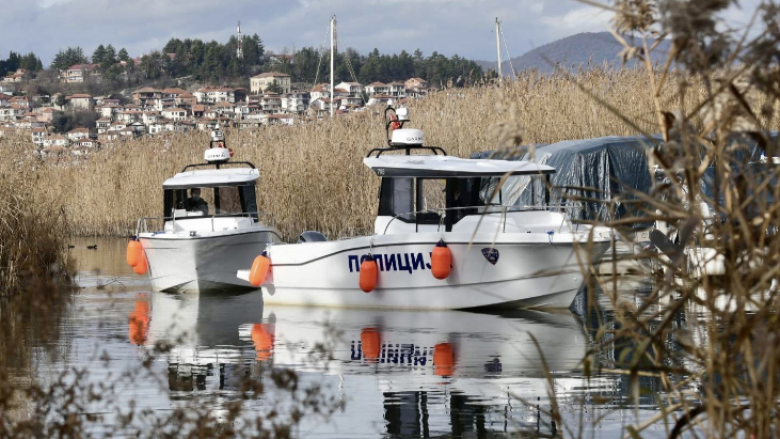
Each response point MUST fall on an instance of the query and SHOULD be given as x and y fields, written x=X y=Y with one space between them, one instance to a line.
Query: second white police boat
x=211 y=224
x=446 y=237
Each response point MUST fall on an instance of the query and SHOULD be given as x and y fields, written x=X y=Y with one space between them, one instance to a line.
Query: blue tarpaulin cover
x=598 y=169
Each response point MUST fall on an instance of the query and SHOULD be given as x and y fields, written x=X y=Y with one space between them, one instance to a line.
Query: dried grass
x=312 y=175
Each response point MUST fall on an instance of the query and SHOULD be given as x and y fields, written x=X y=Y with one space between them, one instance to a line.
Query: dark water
x=398 y=373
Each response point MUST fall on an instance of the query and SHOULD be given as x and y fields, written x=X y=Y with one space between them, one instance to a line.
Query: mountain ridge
x=575 y=51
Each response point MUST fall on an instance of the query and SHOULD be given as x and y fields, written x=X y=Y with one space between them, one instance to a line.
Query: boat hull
x=202 y=263
x=543 y=275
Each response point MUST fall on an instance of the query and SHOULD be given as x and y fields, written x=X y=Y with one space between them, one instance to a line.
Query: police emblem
x=490 y=254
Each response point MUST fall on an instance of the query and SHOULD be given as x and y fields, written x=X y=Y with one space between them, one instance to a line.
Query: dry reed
x=312 y=175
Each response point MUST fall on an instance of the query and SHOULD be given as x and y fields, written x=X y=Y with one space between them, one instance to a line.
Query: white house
x=377 y=88
x=214 y=95
x=295 y=102
x=77 y=134
x=352 y=88
x=55 y=140
x=174 y=114
x=38 y=136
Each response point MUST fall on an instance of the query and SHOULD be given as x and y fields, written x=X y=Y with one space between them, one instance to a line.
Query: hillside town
x=271 y=99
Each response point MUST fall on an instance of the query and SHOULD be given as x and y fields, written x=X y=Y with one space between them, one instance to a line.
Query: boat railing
x=486 y=210
x=142 y=225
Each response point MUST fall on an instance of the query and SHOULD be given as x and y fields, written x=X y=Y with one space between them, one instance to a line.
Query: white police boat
x=203 y=239
x=446 y=237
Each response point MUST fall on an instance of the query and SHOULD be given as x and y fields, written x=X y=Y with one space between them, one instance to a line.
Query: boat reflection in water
x=400 y=372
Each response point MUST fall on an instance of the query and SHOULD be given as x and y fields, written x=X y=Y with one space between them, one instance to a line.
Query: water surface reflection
x=399 y=373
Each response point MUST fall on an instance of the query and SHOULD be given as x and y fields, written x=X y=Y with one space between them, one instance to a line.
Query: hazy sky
x=464 y=27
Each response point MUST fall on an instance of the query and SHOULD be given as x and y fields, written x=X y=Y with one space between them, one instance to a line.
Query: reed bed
x=312 y=174
x=32 y=224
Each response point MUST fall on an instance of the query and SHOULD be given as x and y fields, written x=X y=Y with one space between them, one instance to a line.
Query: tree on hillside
x=64 y=122
x=123 y=56
x=99 y=54
x=109 y=59
x=70 y=56
x=274 y=87
x=253 y=50
x=11 y=64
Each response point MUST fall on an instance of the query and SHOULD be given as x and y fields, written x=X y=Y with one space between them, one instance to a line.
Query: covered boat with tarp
x=591 y=173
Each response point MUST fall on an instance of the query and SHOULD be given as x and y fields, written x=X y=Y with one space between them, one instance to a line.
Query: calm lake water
x=397 y=373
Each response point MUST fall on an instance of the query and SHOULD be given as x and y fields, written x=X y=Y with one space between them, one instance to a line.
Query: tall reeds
x=312 y=174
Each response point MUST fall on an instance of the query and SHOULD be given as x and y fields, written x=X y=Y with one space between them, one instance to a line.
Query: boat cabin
x=427 y=192
x=213 y=192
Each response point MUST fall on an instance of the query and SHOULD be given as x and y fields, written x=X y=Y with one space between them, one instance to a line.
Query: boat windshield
x=421 y=200
x=209 y=201
x=517 y=191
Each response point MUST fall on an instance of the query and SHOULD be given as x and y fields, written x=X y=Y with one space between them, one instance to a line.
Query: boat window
x=225 y=200
x=516 y=191
x=402 y=197
x=397 y=198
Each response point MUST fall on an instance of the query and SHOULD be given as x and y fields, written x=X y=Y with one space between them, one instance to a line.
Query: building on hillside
x=351 y=88
x=215 y=95
x=383 y=99
x=79 y=73
x=397 y=89
x=129 y=116
x=186 y=100
x=261 y=82
x=198 y=110
x=7 y=88
x=174 y=114
x=103 y=125
x=148 y=97
x=55 y=141
x=280 y=119
x=38 y=136
x=416 y=84
x=77 y=134
x=296 y=102
x=5 y=100
x=319 y=91
x=79 y=102
x=108 y=110
x=271 y=103
x=47 y=114
x=377 y=88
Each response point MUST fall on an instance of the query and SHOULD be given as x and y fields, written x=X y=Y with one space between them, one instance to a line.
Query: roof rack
x=379 y=151
x=218 y=165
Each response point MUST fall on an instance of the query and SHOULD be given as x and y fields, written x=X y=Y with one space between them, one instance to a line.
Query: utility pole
x=332 y=62
x=239 y=49
x=498 y=49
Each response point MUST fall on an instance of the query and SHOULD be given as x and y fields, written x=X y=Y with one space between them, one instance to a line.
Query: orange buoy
x=139 y=322
x=260 y=268
x=134 y=250
x=441 y=260
x=371 y=342
x=142 y=266
x=263 y=339
x=443 y=359
x=369 y=274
